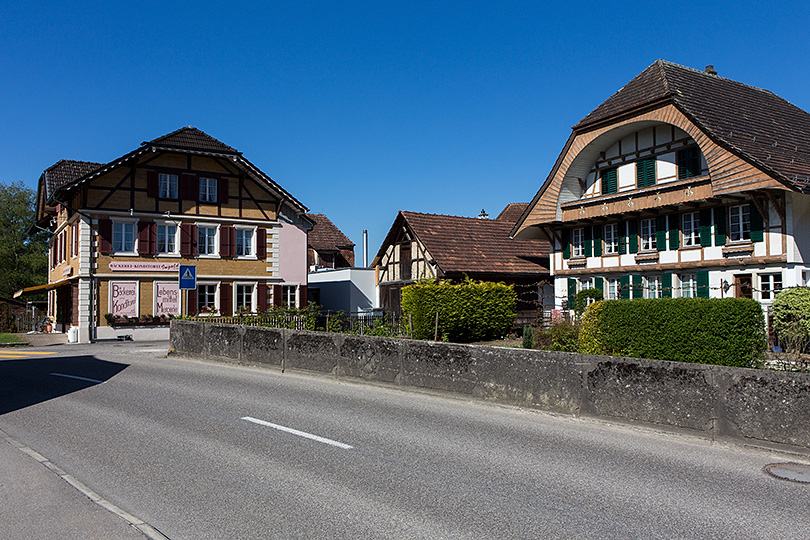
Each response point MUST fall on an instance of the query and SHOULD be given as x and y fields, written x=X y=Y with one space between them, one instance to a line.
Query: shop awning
x=40 y=288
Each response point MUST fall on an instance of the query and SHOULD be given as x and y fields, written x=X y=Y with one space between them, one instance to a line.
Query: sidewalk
x=40 y=503
x=43 y=340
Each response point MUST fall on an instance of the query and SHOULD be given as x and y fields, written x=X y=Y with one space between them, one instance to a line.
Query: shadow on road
x=29 y=381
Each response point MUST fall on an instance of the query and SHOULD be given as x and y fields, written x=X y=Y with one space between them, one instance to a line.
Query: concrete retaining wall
x=764 y=408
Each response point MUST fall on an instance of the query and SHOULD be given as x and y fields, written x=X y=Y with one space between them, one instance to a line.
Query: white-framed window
x=690 y=226
x=206 y=298
x=208 y=190
x=611 y=238
x=739 y=221
x=647 y=234
x=578 y=242
x=207 y=240
x=769 y=285
x=244 y=297
x=74 y=240
x=613 y=289
x=166 y=238
x=289 y=296
x=245 y=239
x=652 y=287
x=688 y=285
x=123 y=236
x=167 y=186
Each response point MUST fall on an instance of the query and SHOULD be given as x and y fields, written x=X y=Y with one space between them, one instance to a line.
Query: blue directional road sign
x=188 y=277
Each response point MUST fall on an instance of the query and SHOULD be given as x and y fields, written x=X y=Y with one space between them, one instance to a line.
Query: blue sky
x=361 y=109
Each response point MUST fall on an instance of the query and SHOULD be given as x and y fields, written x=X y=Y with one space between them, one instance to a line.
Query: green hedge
x=468 y=311
x=728 y=331
x=791 y=319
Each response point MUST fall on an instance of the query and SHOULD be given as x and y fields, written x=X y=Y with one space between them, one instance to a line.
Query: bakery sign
x=124 y=298
x=123 y=266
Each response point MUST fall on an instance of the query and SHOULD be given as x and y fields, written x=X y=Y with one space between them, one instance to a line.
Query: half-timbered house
x=681 y=184
x=120 y=231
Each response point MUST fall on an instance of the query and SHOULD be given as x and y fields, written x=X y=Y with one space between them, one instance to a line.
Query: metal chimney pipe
x=365 y=248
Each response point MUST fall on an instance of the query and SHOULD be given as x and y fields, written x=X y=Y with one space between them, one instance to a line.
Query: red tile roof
x=512 y=212
x=64 y=172
x=192 y=138
x=325 y=236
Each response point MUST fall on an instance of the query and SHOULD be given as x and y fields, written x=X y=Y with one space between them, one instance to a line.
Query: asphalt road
x=211 y=451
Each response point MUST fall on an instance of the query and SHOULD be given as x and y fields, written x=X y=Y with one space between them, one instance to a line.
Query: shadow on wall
x=30 y=381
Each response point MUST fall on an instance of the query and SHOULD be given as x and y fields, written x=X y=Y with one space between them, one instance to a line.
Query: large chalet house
x=681 y=184
x=121 y=230
x=440 y=247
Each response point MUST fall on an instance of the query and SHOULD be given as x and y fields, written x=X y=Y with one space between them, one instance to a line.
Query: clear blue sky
x=361 y=109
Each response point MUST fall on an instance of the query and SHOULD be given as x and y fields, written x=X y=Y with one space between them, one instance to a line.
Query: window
x=609 y=182
x=208 y=190
x=647 y=234
x=691 y=229
x=612 y=288
x=645 y=173
x=739 y=219
x=688 y=160
x=244 y=242
x=611 y=238
x=123 y=237
x=206 y=240
x=166 y=238
x=769 y=285
x=577 y=242
x=289 y=295
x=206 y=298
x=167 y=186
x=652 y=287
x=688 y=285
x=244 y=298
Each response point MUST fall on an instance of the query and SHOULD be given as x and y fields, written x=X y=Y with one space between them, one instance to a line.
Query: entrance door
x=742 y=286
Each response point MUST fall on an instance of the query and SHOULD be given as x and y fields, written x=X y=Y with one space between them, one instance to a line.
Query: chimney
x=710 y=70
x=365 y=248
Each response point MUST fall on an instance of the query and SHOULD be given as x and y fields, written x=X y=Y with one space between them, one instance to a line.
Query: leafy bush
x=560 y=336
x=791 y=319
x=7 y=323
x=528 y=337
x=468 y=311
x=582 y=297
x=729 y=331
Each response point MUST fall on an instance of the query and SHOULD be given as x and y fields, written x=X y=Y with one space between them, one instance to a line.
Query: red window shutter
x=261 y=243
x=76 y=238
x=105 y=236
x=191 y=298
x=152 y=184
x=188 y=239
x=146 y=246
x=189 y=187
x=222 y=190
x=227 y=239
x=277 y=295
x=302 y=296
x=261 y=294
x=225 y=299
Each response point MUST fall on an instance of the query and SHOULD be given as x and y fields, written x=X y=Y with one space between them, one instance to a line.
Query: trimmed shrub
x=468 y=311
x=582 y=297
x=528 y=337
x=729 y=331
x=791 y=319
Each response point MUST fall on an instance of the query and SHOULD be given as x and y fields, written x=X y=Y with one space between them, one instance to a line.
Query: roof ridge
x=703 y=72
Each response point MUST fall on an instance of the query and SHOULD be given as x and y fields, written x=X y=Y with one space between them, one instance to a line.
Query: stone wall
x=764 y=408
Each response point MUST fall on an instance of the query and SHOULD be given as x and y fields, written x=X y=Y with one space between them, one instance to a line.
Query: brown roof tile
x=194 y=139
x=325 y=236
x=512 y=212
x=477 y=246
x=65 y=171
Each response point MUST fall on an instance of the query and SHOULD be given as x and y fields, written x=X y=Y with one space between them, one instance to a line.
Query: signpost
x=187 y=276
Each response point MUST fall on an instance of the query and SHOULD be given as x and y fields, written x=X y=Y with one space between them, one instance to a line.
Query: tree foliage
x=23 y=256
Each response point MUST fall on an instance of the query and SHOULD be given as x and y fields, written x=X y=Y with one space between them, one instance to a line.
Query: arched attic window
x=632 y=157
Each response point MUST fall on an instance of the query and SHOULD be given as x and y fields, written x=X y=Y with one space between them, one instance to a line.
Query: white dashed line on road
x=299 y=433
x=77 y=378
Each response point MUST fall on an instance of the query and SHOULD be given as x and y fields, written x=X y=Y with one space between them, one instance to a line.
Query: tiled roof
x=760 y=126
x=512 y=212
x=325 y=236
x=66 y=171
x=193 y=139
x=477 y=246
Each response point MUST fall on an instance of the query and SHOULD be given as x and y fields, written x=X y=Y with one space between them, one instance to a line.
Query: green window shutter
x=587 y=246
x=597 y=240
x=661 y=233
x=666 y=285
x=674 y=232
x=645 y=173
x=702 y=282
x=688 y=161
x=601 y=284
x=609 y=181
x=572 y=292
x=705 y=228
x=638 y=287
x=624 y=285
x=719 y=226
x=632 y=236
x=621 y=232
x=566 y=244
x=757 y=225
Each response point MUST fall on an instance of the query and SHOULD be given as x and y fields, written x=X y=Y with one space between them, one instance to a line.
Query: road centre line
x=299 y=433
x=78 y=378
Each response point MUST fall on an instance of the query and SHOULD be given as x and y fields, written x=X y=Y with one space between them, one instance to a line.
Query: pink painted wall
x=292 y=254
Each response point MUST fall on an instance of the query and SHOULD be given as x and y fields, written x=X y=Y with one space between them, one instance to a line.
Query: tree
x=23 y=256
